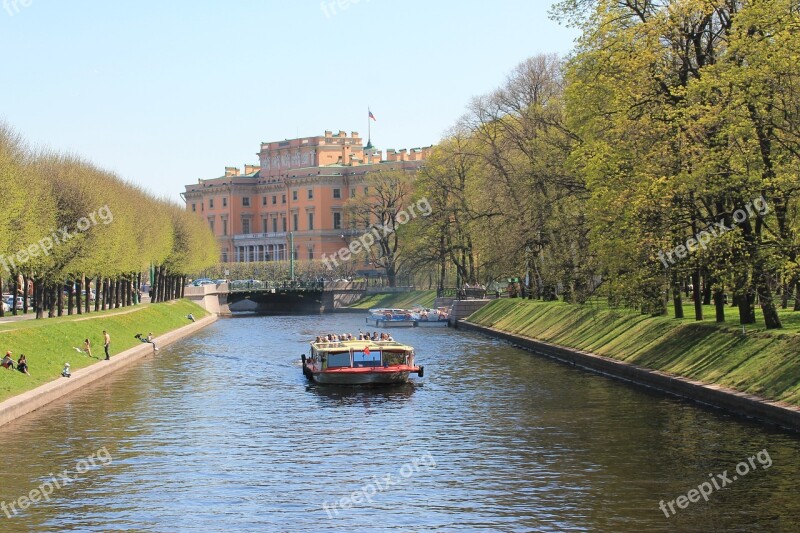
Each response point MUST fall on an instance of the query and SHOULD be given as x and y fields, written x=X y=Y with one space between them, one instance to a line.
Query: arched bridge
x=276 y=297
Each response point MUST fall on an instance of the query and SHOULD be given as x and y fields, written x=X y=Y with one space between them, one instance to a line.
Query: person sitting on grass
x=190 y=316
x=22 y=364
x=7 y=361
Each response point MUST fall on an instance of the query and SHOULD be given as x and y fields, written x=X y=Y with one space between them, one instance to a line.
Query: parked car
x=10 y=301
x=202 y=281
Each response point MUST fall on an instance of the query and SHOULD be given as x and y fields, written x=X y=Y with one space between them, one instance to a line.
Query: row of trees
x=68 y=226
x=663 y=154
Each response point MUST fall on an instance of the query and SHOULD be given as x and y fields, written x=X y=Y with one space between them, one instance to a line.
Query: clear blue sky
x=165 y=92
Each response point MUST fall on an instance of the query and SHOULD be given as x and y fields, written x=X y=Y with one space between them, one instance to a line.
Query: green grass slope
x=766 y=363
x=49 y=343
x=401 y=300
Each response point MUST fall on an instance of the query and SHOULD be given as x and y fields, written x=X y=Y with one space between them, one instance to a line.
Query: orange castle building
x=301 y=187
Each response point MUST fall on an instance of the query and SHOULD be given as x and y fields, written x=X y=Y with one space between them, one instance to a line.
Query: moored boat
x=360 y=362
x=432 y=317
x=392 y=318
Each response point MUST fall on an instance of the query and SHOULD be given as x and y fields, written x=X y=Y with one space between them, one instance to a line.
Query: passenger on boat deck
x=374 y=335
x=349 y=336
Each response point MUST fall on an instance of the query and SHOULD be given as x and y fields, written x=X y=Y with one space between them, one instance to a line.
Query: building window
x=224 y=201
x=224 y=256
x=211 y=225
x=294 y=222
x=310 y=253
x=294 y=196
x=263 y=225
x=274 y=225
x=211 y=203
x=225 y=227
x=274 y=199
x=337 y=221
x=283 y=224
x=263 y=200
x=246 y=201
x=337 y=193
x=366 y=191
x=310 y=194
x=194 y=208
x=283 y=198
x=245 y=225
x=310 y=221
x=353 y=192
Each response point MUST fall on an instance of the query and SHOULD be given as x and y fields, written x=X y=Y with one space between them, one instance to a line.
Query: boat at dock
x=388 y=318
x=360 y=362
x=431 y=317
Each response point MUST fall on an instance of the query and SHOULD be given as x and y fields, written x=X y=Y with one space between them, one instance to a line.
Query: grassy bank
x=766 y=363
x=399 y=299
x=49 y=343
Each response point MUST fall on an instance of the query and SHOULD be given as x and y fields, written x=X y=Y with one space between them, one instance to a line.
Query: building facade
x=300 y=187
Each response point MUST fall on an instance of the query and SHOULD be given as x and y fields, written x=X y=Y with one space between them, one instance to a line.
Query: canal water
x=222 y=432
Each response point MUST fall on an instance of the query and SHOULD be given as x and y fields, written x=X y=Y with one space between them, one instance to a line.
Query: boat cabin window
x=394 y=358
x=361 y=359
x=338 y=360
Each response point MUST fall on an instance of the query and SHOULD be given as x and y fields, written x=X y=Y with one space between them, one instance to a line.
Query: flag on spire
x=371 y=115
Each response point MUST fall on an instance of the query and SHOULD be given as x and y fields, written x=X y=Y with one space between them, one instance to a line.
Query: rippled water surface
x=222 y=432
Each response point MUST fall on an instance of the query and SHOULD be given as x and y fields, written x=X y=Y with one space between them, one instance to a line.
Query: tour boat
x=431 y=317
x=392 y=318
x=360 y=362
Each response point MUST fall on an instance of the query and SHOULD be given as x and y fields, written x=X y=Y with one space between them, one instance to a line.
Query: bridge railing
x=286 y=285
x=464 y=293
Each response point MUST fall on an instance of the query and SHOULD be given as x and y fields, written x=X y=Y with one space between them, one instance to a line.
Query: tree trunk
x=747 y=314
x=183 y=286
x=719 y=305
x=25 y=295
x=14 y=292
x=677 y=300
x=697 y=295
x=797 y=295
x=106 y=293
x=707 y=289
x=38 y=297
x=771 y=318
x=51 y=300
x=154 y=286
x=98 y=292
x=79 y=294
x=70 y=297
x=785 y=290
